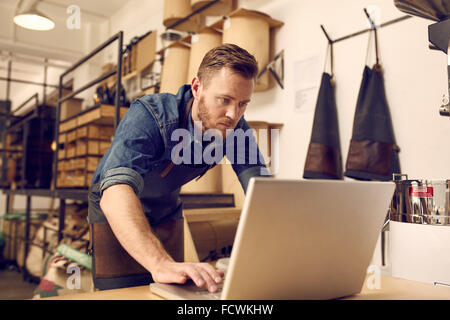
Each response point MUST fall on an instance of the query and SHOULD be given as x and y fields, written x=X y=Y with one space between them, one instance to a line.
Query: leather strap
x=377 y=65
x=331 y=59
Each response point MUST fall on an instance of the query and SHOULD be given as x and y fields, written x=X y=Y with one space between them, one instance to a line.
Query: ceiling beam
x=33 y=60
x=39 y=51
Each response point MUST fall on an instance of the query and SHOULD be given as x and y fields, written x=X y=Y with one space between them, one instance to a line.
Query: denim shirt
x=142 y=147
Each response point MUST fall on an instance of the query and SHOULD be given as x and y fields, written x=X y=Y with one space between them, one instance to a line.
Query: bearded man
x=135 y=211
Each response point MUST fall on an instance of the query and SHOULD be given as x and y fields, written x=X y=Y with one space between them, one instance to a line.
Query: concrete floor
x=13 y=287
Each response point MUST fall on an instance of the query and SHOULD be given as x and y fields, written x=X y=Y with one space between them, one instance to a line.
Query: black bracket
x=326 y=34
x=330 y=43
x=272 y=67
x=374 y=28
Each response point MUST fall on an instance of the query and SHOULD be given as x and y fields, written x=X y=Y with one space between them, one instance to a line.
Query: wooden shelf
x=101 y=115
x=211 y=214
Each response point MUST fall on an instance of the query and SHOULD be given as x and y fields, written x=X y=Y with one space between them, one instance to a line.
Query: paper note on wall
x=304 y=99
x=306 y=80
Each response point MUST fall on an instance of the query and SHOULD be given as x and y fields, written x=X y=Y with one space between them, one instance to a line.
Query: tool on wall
x=276 y=68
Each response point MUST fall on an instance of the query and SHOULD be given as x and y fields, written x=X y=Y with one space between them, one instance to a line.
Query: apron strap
x=376 y=46
x=377 y=59
x=329 y=49
x=166 y=171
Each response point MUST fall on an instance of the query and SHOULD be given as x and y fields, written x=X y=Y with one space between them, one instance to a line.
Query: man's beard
x=205 y=117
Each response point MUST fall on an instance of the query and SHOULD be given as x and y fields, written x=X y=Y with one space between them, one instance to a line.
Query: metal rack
x=372 y=27
x=63 y=195
x=16 y=123
x=66 y=194
x=117 y=71
x=15 y=240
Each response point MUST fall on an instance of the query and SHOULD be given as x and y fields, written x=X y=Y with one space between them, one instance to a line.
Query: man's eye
x=243 y=104
x=223 y=101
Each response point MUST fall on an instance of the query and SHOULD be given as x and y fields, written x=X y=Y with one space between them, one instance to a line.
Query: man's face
x=222 y=102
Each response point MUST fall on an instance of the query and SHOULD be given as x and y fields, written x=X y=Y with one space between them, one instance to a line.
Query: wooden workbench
x=390 y=289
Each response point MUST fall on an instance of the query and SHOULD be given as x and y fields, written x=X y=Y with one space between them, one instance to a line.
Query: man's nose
x=232 y=112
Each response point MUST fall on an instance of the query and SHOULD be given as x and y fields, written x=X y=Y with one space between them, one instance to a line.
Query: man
x=135 y=212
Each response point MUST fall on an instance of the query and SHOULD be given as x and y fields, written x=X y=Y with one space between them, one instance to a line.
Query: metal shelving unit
x=67 y=194
x=117 y=71
x=63 y=195
x=24 y=126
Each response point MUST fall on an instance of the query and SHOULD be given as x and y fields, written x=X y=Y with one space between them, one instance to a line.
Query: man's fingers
x=215 y=274
x=201 y=274
x=195 y=275
x=210 y=283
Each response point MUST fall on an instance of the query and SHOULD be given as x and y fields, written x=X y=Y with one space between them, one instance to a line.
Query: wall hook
x=271 y=66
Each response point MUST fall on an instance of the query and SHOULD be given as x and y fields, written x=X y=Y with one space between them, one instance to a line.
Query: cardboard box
x=70 y=108
x=95 y=132
x=146 y=51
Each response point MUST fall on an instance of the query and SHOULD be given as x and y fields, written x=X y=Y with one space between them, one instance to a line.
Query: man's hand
x=179 y=272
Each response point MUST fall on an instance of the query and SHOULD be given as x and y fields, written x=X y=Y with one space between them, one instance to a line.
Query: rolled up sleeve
x=123 y=175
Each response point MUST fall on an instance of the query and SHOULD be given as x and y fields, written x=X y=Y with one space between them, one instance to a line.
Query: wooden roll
x=218 y=9
x=175 y=68
x=212 y=236
x=175 y=10
x=251 y=30
x=205 y=40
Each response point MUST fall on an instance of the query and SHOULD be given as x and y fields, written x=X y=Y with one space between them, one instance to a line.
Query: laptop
x=299 y=239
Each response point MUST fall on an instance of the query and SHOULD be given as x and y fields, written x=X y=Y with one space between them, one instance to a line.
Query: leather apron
x=373 y=152
x=112 y=266
x=324 y=160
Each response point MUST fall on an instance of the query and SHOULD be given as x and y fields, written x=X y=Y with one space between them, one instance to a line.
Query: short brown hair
x=230 y=56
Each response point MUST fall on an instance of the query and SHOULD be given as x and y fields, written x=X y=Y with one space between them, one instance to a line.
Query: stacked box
x=83 y=140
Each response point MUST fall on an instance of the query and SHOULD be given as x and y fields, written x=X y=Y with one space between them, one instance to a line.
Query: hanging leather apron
x=324 y=160
x=373 y=153
x=112 y=266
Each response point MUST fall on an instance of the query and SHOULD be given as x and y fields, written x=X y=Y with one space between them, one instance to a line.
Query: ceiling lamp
x=32 y=19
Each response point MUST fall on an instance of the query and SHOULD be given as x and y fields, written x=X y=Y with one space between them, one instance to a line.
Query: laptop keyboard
x=203 y=293
x=208 y=295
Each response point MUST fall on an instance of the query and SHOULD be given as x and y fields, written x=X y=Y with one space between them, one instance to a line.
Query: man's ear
x=196 y=87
